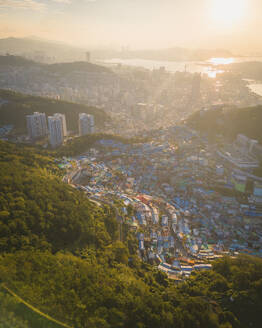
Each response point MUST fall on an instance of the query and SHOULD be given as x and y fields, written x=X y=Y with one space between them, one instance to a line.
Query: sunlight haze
x=138 y=24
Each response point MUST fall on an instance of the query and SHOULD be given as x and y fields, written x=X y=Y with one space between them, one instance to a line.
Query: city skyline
x=139 y=24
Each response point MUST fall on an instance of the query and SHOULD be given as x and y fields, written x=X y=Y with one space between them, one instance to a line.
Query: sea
x=256 y=88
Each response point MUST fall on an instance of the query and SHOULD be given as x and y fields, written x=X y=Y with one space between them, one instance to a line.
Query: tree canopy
x=229 y=122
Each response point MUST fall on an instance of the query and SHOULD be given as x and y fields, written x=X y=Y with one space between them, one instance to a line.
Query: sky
x=138 y=24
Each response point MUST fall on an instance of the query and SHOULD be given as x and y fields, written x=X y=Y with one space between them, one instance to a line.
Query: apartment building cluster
x=55 y=127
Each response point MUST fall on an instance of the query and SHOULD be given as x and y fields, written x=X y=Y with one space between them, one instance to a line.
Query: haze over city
x=138 y=24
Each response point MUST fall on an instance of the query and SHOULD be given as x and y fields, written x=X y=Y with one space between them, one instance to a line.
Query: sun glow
x=221 y=61
x=228 y=12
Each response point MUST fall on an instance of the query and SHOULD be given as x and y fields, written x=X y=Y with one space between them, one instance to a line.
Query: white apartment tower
x=56 y=135
x=63 y=120
x=36 y=125
x=86 y=124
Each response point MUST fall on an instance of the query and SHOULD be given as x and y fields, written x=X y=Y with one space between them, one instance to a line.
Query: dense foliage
x=68 y=68
x=228 y=123
x=94 y=292
x=14 y=314
x=61 y=254
x=38 y=210
x=11 y=60
x=17 y=106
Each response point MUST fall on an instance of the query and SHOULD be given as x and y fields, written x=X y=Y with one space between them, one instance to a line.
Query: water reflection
x=212 y=67
x=221 y=61
x=212 y=73
x=256 y=88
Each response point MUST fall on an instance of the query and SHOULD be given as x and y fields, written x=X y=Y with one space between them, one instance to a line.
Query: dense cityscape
x=130 y=164
x=141 y=98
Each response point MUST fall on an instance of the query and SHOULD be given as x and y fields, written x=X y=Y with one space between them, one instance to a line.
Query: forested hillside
x=55 y=51
x=68 y=68
x=16 y=61
x=16 y=106
x=61 y=254
x=38 y=210
x=229 y=122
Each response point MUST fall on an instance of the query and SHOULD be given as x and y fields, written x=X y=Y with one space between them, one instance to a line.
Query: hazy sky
x=232 y=24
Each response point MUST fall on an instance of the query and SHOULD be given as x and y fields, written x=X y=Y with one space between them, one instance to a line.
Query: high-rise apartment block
x=86 y=124
x=196 y=88
x=56 y=135
x=88 y=57
x=63 y=120
x=36 y=125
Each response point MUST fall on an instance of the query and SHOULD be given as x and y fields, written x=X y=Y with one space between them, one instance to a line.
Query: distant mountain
x=229 y=122
x=60 y=68
x=16 y=106
x=53 y=80
x=51 y=51
x=41 y=50
x=10 y=60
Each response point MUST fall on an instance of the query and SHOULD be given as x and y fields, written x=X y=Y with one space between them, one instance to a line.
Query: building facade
x=196 y=87
x=56 y=135
x=86 y=124
x=36 y=125
x=63 y=120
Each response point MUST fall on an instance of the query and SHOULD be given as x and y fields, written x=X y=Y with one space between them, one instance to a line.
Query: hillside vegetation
x=16 y=61
x=61 y=254
x=55 y=51
x=229 y=123
x=16 y=106
x=68 y=68
x=38 y=210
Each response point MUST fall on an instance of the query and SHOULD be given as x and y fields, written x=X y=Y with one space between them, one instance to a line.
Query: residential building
x=63 y=120
x=55 y=131
x=88 y=57
x=258 y=189
x=257 y=151
x=86 y=124
x=36 y=125
x=196 y=87
x=245 y=144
